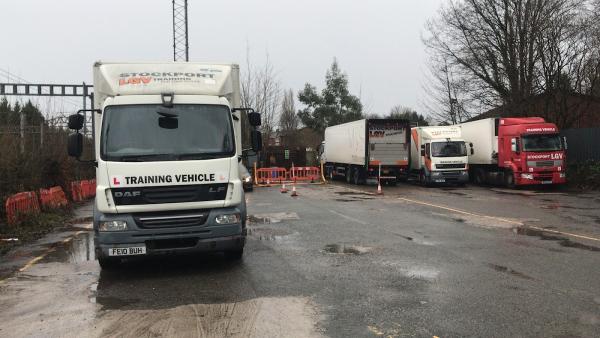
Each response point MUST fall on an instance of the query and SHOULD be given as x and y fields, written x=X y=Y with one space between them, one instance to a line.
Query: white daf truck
x=167 y=145
x=438 y=154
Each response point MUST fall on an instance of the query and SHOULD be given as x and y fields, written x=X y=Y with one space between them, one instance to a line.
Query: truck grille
x=169 y=194
x=170 y=220
x=544 y=164
x=450 y=166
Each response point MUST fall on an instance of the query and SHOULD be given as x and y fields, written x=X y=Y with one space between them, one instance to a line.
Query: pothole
x=346 y=249
x=276 y=217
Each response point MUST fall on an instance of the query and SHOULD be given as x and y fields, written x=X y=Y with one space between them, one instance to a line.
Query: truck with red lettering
x=515 y=151
x=366 y=150
x=167 y=143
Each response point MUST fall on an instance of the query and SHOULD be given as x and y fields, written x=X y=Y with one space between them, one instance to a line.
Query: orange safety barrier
x=271 y=175
x=305 y=174
x=21 y=204
x=88 y=188
x=53 y=198
x=76 y=193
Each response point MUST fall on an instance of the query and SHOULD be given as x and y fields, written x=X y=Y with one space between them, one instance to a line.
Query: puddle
x=272 y=217
x=509 y=271
x=77 y=250
x=268 y=234
x=563 y=241
x=346 y=249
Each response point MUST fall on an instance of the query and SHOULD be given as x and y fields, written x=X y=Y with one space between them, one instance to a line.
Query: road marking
x=509 y=221
x=348 y=217
x=500 y=219
x=50 y=250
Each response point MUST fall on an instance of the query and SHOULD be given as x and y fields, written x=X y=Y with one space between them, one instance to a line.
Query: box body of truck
x=167 y=147
x=358 y=150
x=515 y=151
x=438 y=154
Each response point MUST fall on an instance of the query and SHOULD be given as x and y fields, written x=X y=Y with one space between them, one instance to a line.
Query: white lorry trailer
x=438 y=154
x=357 y=150
x=167 y=145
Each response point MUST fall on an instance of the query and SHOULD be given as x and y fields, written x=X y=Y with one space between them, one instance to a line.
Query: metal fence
x=583 y=144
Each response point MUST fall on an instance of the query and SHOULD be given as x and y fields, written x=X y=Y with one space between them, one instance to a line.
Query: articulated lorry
x=167 y=145
x=515 y=151
x=438 y=154
x=358 y=150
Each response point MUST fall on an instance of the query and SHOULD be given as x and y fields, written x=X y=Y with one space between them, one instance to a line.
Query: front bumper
x=206 y=237
x=456 y=176
x=541 y=178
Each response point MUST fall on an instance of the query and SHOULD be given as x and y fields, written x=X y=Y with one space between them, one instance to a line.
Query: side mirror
x=565 y=146
x=75 y=121
x=168 y=122
x=254 y=119
x=422 y=150
x=256 y=138
x=75 y=145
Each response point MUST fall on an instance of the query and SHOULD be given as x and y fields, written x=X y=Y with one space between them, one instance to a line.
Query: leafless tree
x=261 y=90
x=288 y=120
x=503 y=52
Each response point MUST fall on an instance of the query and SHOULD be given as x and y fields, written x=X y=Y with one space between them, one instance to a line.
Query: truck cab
x=532 y=151
x=439 y=155
x=167 y=150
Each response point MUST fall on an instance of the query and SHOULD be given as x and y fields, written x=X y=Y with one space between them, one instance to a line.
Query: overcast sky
x=377 y=43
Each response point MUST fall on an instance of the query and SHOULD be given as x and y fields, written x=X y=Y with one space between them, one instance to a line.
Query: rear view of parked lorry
x=438 y=154
x=515 y=151
x=357 y=150
x=167 y=144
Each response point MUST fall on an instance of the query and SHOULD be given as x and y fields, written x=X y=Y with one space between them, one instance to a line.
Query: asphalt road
x=335 y=261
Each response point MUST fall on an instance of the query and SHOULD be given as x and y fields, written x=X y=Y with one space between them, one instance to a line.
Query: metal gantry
x=180 y=30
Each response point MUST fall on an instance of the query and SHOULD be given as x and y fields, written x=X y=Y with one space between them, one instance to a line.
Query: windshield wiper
x=201 y=156
x=145 y=158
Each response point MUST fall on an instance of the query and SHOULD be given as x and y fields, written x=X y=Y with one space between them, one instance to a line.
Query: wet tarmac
x=333 y=262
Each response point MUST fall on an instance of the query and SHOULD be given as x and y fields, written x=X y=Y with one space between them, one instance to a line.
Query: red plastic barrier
x=271 y=174
x=21 y=204
x=90 y=188
x=53 y=198
x=76 y=193
x=305 y=174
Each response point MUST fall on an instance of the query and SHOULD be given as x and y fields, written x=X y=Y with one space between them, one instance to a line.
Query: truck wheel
x=479 y=176
x=356 y=176
x=108 y=263
x=509 y=179
x=348 y=174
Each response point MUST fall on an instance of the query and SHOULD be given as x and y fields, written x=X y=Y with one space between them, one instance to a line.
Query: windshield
x=448 y=149
x=184 y=132
x=541 y=142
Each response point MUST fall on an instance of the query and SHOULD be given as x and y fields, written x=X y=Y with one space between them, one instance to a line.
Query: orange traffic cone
x=283 y=188
x=379 y=191
x=294 y=193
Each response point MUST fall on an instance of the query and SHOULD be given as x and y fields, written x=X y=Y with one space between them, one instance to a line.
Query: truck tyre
x=108 y=263
x=509 y=179
x=479 y=176
x=348 y=175
x=356 y=176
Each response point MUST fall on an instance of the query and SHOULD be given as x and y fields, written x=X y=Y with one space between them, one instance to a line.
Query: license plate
x=546 y=182
x=130 y=251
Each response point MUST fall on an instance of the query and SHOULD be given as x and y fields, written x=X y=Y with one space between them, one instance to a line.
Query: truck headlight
x=228 y=219
x=112 y=226
x=247 y=179
x=527 y=176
